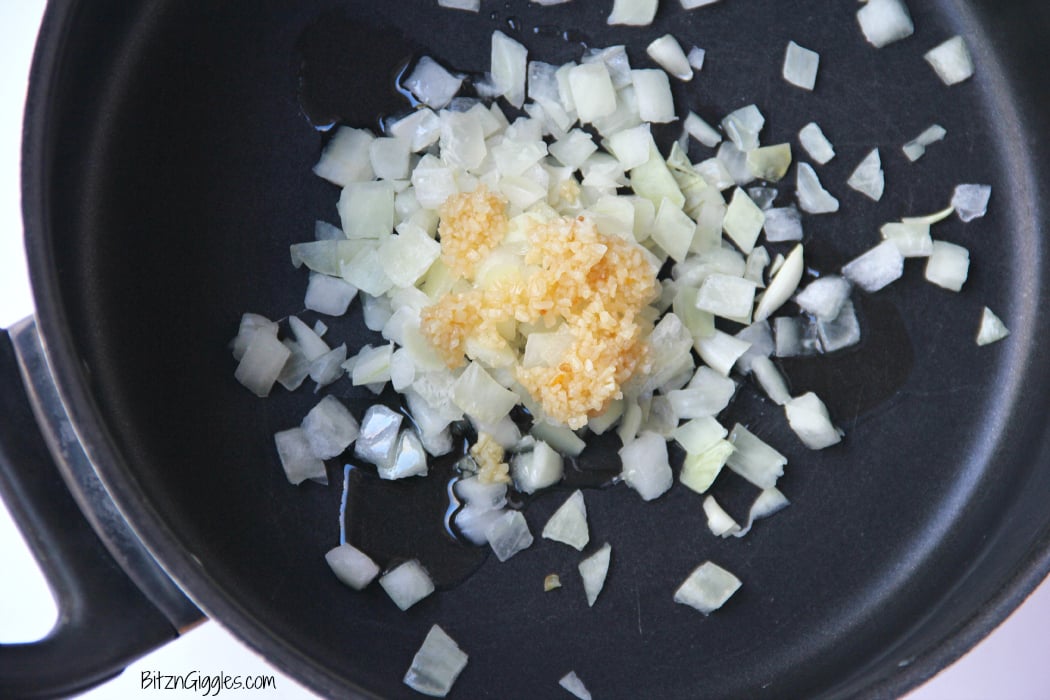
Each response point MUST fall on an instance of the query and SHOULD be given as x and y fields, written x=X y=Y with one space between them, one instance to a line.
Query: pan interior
x=177 y=172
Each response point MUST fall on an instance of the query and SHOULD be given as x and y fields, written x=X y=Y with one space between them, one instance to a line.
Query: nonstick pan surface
x=168 y=156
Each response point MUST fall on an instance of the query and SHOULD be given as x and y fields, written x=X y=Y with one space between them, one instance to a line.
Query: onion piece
x=477 y=494
x=876 y=268
x=769 y=163
x=592 y=91
x=841 y=332
x=701 y=130
x=971 y=201
x=720 y=351
x=406 y=256
x=432 y=84
x=378 y=436
x=816 y=143
x=992 y=328
x=707 y=588
x=346 y=157
x=951 y=61
x=508 y=534
x=351 y=566
x=707 y=395
x=593 y=571
x=696 y=58
x=668 y=53
x=761 y=338
x=410 y=459
x=718 y=521
x=646 y=468
x=568 y=524
x=536 y=469
x=673 y=230
x=757 y=262
x=699 y=434
x=812 y=196
x=407 y=584
x=330 y=428
x=769 y=501
x=783 y=224
x=868 y=178
x=753 y=459
x=771 y=380
x=421 y=129
x=912 y=238
x=930 y=219
x=884 y=22
x=699 y=470
x=795 y=337
x=824 y=297
x=948 y=265
x=800 y=66
x=573 y=149
x=260 y=366
x=481 y=396
x=472 y=522
x=328 y=367
x=743 y=221
x=436 y=665
x=250 y=324
x=808 y=417
x=916 y=148
x=559 y=437
x=743 y=125
x=616 y=60
x=734 y=161
x=572 y=683
x=509 y=62
x=329 y=295
x=551 y=582
x=468 y=5
x=727 y=296
x=297 y=457
x=653 y=92
x=635 y=13
x=783 y=284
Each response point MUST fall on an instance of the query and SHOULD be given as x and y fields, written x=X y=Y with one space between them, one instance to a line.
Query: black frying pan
x=167 y=168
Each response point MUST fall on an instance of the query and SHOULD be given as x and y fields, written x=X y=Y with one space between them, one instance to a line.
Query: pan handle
x=104 y=620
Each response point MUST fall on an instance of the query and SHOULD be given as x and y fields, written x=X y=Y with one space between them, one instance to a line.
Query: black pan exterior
x=167 y=169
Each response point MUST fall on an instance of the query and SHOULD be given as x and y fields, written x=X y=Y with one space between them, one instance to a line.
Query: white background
x=1012 y=664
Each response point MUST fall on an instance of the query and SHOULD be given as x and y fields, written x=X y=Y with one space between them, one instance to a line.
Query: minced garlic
x=488 y=454
x=569 y=277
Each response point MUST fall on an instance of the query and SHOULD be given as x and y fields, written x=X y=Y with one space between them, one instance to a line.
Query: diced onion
x=701 y=130
x=699 y=434
x=769 y=501
x=352 y=566
x=572 y=683
x=637 y=13
x=771 y=380
x=297 y=457
x=783 y=224
x=971 y=201
x=812 y=196
x=816 y=143
x=800 y=66
x=753 y=459
x=508 y=534
x=407 y=584
x=593 y=571
x=727 y=296
x=743 y=221
x=410 y=459
x=992 y=329
x=568 y=524
x=347 y=158
x=742 y=126
x=696 y=58
x=509 y=61
x=653 y=91
x=667 y=52
x=699 y=470
x=468 y=5
x=432 y=84
x=537 y=469
x=261 y=364
x=824 y=297
x=718 y=521
x=912 y=238
x=377 y=440
x=951 y=60
x=841 y=332
x=868 y=178
x=328 y=295
x=646 y=468
x=884 y=22
x=436 y=665
x=808 y=417
x=720 y=351
x=876 y=268
x=948 y=265
x=916 y=148
x=592 y=91
x=330 y=428
x=769 y=163
x=707 y=588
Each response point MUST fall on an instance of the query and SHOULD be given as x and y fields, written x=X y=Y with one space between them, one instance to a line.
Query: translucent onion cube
x=367 y=209
x=390 y=158
x=719 y=522
x=812 y=196
x=410 y=459
x=636 y=13
x=912 y=238
x=593 y=571
x=436 y=665
x=262 y=362
x=481 y=396
x=916 y=148
x=377 y=440
x=668 y=53
x=876 y=268
x=352 y=566
x=653 y=92
x=560 y=437
x=971 y=201
x=432 y=84
x=311 y=344
x=709 y=397
x=868 y=178
x=699 y=434
x=509 y=61
x=720 y=351
x=951 y=60
x=707 y=588
x=328 y=367
x=473 y=522
x=743 y=126
x=407 y=255
x=696 y=58
x=841 y=332
x=753 y=459
x=572 y=683
x=615 y=59
x=727 y=296
x=646 y=468
x=769 y=501
x=407 y=584
x=508 y=534
x=743 y=221
x=481 y=495
x=824 y=297
x=330 y=428
x=992 y=329
x=592 y=91
x=700 y=469
x=433 y=182
x=568 y=524
x=632 y=146
x=329 y=295
x=884 y=22
x=735 y=161
x=249 y=325
x=808 y=417
x=701 y=130
x=536 y=469
x=760 y=336
x=462 y=140
x=816 y=143
x=297 y=457
x=783 y=224
x=800 y=66
x=653 y=181
x=769 y=163
x=573 y=149
x=346 y=158
x=771 y=380
x=421 y=129
x=948 y=265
